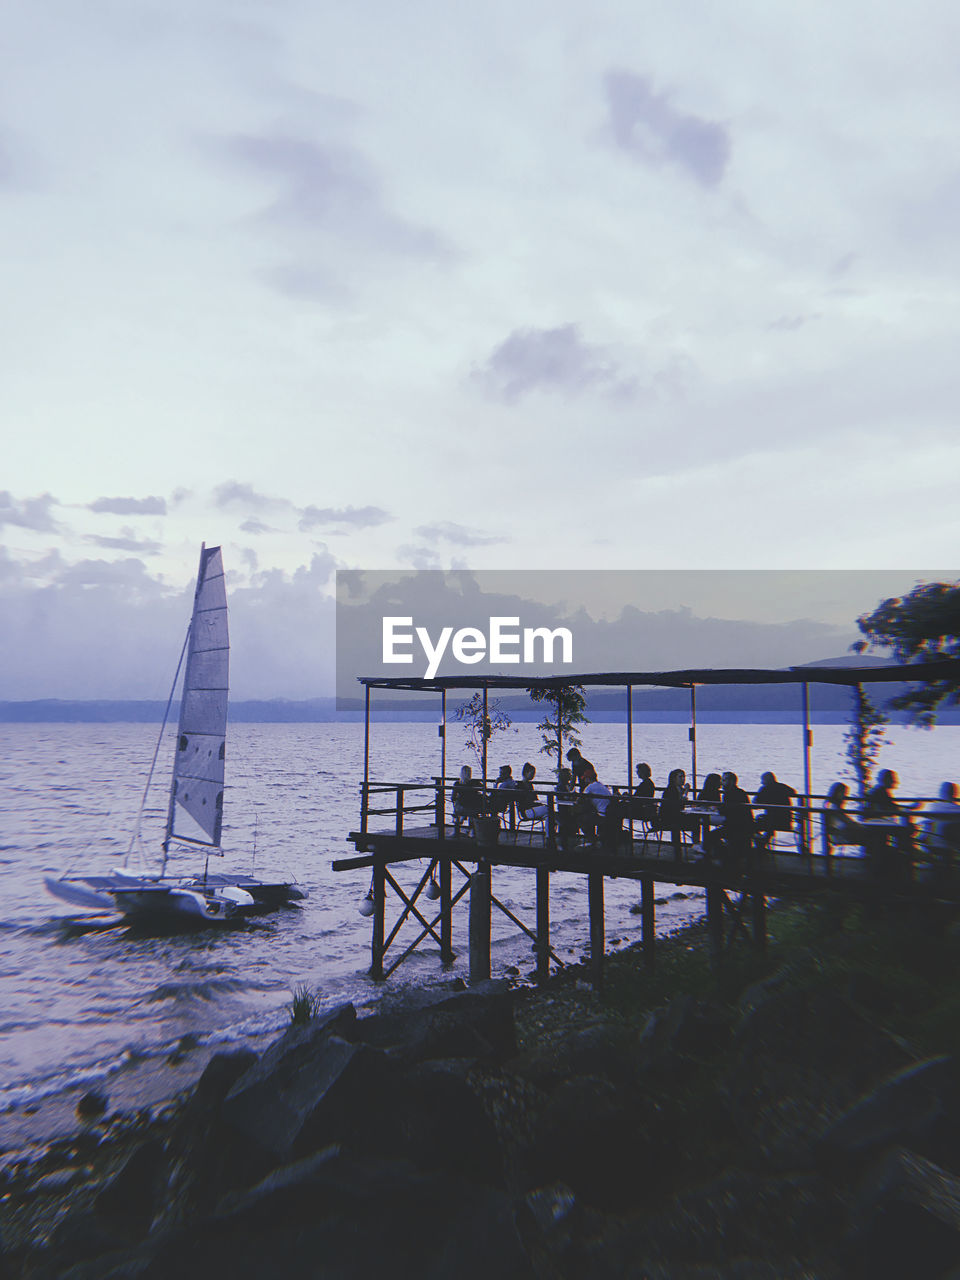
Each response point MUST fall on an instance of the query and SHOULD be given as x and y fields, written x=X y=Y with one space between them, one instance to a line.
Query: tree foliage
x=864 y=738
x=923 y=626
x=480 y=730
x=568 y=710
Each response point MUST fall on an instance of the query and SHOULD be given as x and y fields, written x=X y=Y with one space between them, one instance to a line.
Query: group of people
x=897 y=829
x=730 y=823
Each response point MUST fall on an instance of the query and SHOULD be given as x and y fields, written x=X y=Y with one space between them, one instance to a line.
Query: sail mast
x=196 y=796
x=173 y=773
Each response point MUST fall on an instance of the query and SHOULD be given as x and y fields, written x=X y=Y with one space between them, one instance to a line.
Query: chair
x=529 y=824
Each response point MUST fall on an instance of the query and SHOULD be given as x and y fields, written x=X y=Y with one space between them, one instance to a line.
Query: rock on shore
x=782 y=1134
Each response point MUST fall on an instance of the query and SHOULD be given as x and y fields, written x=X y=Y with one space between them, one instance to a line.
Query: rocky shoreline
x=797 y=1116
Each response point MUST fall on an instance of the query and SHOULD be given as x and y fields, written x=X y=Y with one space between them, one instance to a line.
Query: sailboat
x=195 y=807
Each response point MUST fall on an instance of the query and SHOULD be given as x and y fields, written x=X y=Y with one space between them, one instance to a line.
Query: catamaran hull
x=79 y=894
x=266 y=895
x=143 y=897
x=177 y=903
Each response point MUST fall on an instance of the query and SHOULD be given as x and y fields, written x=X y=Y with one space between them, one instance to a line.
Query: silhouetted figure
x=506 y=783
x=879 y=801
x=777 y=814
x=644 y=804
x=670 y=815
x=607 y=819
x=712 y=790
x=941 y=834
x=570 y=807
x=580 y=768
x=941 y=826
x=467 y=798
x=731 y=841
x=527 y=804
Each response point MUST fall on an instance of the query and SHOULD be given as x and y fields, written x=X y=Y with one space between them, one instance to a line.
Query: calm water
x=78 y=1001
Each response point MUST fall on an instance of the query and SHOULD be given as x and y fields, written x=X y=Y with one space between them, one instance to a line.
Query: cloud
x=61 y=620
x=253 y=525
x=419 y=557
x=233 y=493
x=345 y=517
x=551 y=360
x=458 y=534
x=28 y=513
x=331 y=189
x=130 y=506
x=127 y=542
x=646 y=125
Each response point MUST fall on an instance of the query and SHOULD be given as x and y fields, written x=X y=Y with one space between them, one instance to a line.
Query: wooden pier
x=459 y=868
x=403 y=822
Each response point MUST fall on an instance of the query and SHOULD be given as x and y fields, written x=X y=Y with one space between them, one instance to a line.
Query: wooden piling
x=595 y=896
x=648 y=934
x=480 y=923
x=379 y=912
x=446 y=913
x=543 y=924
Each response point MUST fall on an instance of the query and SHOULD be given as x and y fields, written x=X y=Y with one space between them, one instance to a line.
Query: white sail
x=196 y=801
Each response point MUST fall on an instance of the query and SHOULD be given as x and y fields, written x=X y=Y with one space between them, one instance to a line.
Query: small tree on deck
x=568 y=704
x=864 y=738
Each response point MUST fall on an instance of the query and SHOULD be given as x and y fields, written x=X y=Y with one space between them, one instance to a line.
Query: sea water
x=80 y=999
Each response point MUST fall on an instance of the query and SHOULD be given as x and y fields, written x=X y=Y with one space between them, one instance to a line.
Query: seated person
x=670 y=816
x=838 y=826
x=885 y=845
x=572 y=810
x=712 y=790
x=528 y=806
x=644 y=804
x=941 y=825
x=777 y=814
x=505 y=783
x=732 y=840
x=879 y=801
x=466 y=796
x=606 y=808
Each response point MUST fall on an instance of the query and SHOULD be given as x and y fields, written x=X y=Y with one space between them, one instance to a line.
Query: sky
x=538 y=286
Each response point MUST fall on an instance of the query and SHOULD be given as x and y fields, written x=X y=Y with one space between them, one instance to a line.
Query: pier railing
x=395 y=801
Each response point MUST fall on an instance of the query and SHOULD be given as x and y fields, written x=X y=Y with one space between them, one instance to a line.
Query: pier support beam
x=543 y=924
x=480 y=923
x=446 y=913
x=648 y=934
x=379 y=911
x=595 y=896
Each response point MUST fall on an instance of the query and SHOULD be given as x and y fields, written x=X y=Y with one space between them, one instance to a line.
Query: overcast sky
x=556 y=285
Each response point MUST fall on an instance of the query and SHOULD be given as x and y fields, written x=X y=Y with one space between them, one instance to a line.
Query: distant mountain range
x=777 y=704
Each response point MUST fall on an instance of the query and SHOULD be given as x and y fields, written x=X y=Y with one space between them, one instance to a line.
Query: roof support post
x=806 y=833
x=442 y=794
x=693 y=737
x=365 y=796
x=630 y=758
x=484 y=735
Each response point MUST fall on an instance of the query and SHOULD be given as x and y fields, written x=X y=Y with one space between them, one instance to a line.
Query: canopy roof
x=945 y=669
